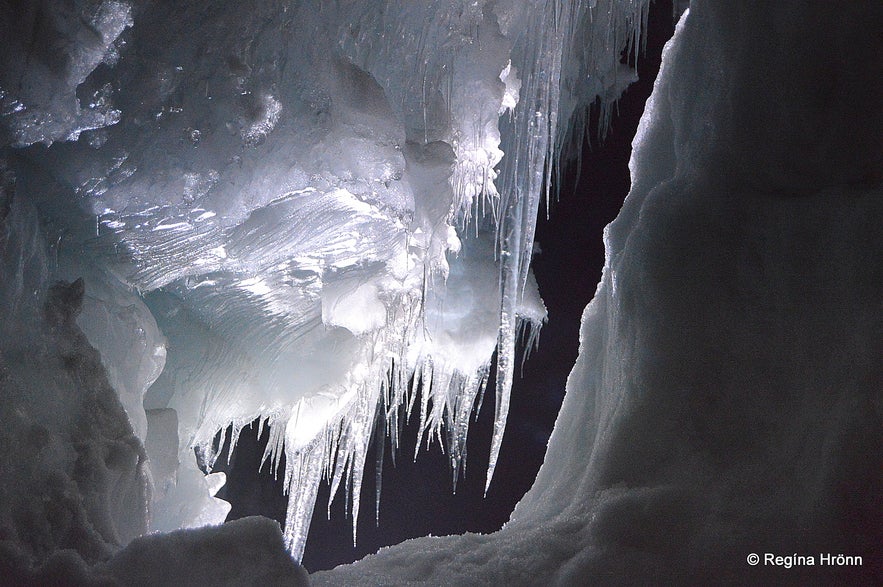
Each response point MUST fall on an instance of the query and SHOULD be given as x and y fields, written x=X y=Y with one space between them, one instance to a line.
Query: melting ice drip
x=314 y=205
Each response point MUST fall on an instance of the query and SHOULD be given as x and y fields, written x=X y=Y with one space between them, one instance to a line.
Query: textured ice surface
x=299 y=212
x=49 y=49
x=74 y=475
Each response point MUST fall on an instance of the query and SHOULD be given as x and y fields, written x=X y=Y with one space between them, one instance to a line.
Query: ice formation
x=727 y=396
x=271 y=211
x=308 y=214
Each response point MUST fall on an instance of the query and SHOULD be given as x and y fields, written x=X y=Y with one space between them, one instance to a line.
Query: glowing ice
x=307 y=212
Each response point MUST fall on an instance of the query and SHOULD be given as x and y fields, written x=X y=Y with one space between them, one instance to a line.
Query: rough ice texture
x=49 y=49
x=726 y=399
x=298 y=213
x=74 y=475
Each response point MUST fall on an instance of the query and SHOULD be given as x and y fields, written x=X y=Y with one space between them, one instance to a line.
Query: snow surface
x=207 y=209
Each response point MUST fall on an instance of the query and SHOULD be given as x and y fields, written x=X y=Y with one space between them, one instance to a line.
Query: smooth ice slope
x=727 y=395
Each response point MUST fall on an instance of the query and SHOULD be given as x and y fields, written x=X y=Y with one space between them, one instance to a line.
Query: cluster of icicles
x=400 y=377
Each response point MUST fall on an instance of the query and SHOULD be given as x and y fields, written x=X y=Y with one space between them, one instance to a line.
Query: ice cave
x=314 y=225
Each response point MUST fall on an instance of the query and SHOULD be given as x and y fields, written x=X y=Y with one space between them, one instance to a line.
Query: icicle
x=362 y=431
x=425 y=387
x=528 y=178
x=235 y=429
x=342 y=456
x=261 y=421
x=380 y=444
x=529 y=337
x=509 y=285
x=275 y=443
x=302 y=496
x=358 y=472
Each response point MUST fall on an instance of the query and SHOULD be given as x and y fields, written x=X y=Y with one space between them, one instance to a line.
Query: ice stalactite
x=569 y=58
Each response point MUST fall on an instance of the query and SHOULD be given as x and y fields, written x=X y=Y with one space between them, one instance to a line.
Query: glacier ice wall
x=726 y=399
x=75 y=476
x=304 y=213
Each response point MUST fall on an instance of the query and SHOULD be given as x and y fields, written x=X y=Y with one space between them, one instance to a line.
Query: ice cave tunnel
x=315 y=223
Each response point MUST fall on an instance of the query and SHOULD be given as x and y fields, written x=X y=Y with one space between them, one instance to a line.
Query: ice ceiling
x=305 y=213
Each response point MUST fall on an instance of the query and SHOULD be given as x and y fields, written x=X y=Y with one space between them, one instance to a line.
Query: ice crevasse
x=726 y=399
